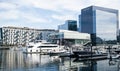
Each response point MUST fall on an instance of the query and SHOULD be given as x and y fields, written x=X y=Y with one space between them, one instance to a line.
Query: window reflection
x=106 y=26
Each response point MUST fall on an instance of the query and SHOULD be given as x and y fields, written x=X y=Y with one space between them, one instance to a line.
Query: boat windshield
x=30 y=46
x=46 y=46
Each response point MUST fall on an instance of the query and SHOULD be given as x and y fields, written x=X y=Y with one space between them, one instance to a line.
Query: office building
x=79 y=28
x=69 y=25
x=22 y=36
x=101 y=23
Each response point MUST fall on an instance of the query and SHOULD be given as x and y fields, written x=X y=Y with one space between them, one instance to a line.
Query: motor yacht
x=44 y=47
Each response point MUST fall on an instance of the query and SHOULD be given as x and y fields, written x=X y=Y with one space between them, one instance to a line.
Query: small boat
x=44 y=47
x=114 y=56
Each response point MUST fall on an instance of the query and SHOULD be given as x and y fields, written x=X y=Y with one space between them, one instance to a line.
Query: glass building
x=101 y=23
x=69 y=25
x=71 y=37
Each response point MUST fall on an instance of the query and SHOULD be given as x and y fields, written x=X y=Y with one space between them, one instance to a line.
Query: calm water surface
x=17 y=61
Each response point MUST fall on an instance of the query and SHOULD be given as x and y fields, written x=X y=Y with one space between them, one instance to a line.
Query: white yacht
x=44 y=47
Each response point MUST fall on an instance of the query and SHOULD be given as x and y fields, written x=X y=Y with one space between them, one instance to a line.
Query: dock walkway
x=4 y=48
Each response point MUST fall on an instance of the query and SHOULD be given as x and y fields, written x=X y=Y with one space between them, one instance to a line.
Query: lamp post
x=91 y=49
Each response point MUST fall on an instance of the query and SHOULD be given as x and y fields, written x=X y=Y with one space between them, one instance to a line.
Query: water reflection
x=11 y=60
x=17 y=61
x=36 y=60
x=81 y=65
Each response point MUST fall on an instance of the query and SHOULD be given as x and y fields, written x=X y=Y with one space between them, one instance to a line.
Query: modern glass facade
x=106 y=25
x=72 y=25
x=69 y=25
x=72 y=37
x=101 y=23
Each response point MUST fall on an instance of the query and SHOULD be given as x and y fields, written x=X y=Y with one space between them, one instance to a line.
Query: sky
x=46 y=14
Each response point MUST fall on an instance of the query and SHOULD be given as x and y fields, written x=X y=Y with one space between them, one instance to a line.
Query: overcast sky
x=46 y=14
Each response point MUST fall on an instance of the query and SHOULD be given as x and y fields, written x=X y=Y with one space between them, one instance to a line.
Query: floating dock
x=84 y=56
x=42 y=53
x=4 y=48
x=90 y=59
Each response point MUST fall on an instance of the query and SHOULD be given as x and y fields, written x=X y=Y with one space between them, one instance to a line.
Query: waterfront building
x=46 y=33
x=70 y=37
x=69 y=25
x=22 y=36
x=101 y=23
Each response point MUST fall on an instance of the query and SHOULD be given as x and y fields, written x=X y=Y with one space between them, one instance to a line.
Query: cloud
x=11 y=11
x=8 y=11
x=72 y=5
x=61 y=5
x=61 y=10
x=63 y=17
x=7 y=6
x=107 y=3
x=33 y=19
x=54 y=5
x=42 y=4
x=9 y=15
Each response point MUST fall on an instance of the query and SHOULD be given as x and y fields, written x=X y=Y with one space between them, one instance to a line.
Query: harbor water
x=15 y=60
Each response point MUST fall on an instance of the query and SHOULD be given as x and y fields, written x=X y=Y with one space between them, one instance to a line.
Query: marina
x=44 y=47
x=17 y=60
x=59 y=36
